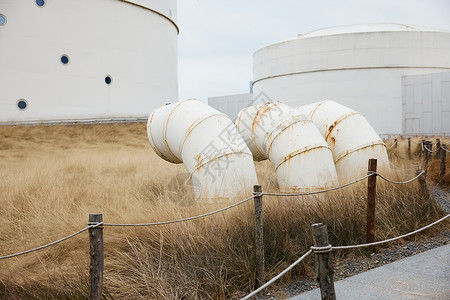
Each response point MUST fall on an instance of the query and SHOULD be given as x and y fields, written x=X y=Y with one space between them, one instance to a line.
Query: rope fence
x=187 y=219
x=52 y=243
x=370 y=173
x=329 y=248
x=318 y=192
x=391 y=239
x=399 y=182
x=96 y=225
x=278 y=276
x=392 y=146
x=445 y=149
x=431 y=151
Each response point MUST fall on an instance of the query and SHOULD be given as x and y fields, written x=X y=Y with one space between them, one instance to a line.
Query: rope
x=187 y=219
x=324 y=249
x=329 y=248
x=416 y=143
x=395 y=143
x=399 y=182
x=392 y=239
x=319 y=192
x=431 y=151
x=444 y=149
x=278 y=276
x=52 y=243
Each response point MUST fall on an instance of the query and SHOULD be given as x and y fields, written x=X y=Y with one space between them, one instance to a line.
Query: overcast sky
x=218 y=37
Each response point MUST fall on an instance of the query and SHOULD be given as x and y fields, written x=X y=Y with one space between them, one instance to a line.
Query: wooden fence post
x=395 y=143
x=96 y=253
x=324 y=265
x=438 y=148
x=423 y=184
x=409 y=148
x=443 y=156
x=423 y=148
x=426 y=155
x=430 y=154
x=259 y=236
x=371 y=195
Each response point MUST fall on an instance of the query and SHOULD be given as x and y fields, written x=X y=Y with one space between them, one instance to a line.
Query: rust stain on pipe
x=370 y=145
x=288 y=157
x=332 y=126
x=192 y=127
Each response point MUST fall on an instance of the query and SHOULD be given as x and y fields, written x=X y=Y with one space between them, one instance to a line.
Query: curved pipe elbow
x=350 y=136
x=207 y=142
x=301 y=157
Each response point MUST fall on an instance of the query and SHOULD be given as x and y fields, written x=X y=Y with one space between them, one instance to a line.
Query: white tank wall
x=358 y=66
x=134 y=42
x=426 y=104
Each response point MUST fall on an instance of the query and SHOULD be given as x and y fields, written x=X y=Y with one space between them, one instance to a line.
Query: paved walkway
x=422 y=276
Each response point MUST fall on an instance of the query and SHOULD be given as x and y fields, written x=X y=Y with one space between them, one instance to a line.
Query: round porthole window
x=22 y=104
x=108 y=79
x=2 y=19
x=40 y=2
x=64 y=59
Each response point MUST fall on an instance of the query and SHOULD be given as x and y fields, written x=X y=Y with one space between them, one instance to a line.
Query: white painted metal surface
x=301 y=157
x=207 y=142
x=231 y=105
x=426 y=104
x=360 y=66
x=351 y=138
x=134 y=42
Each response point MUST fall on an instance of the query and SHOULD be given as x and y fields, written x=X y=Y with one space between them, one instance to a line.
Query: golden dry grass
x=52 y=177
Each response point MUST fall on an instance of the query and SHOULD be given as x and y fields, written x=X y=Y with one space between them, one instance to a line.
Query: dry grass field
x=52 y=177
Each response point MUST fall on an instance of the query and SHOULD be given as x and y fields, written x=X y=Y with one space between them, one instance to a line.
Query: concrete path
x=422 y=276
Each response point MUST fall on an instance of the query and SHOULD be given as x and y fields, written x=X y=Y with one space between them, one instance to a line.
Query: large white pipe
x=301 y=157
x=351 y=138
x=208 y=144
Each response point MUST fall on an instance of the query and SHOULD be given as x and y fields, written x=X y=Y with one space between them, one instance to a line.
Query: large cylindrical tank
x=86 y=59
x=301 y=157
x=360 y=66
x=351 y=138
x=207 y=142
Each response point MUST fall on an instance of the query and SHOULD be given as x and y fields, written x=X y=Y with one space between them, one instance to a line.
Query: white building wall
x=426 y=104
x=231 y=105
x=358 y=66
x=133 y=42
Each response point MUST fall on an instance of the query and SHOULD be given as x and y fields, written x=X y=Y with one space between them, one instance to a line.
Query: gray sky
x=218 y=37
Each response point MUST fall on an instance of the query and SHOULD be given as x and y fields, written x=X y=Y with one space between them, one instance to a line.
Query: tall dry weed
x=52 y=177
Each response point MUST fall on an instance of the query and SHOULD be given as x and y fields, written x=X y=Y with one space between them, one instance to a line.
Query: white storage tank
x=86 y=59
x=360 y=66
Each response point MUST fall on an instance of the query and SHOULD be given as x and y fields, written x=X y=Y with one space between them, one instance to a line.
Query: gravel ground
x=442 y=196
x=354 y=265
